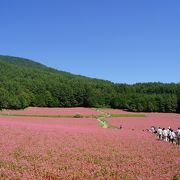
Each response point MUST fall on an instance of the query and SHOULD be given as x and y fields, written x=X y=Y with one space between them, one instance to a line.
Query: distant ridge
x=28 y=63
x=23 y=62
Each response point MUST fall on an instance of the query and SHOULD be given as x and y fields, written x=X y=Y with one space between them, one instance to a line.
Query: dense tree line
x=25 y=83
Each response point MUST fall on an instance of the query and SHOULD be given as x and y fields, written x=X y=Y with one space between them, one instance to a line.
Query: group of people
x=168 y=134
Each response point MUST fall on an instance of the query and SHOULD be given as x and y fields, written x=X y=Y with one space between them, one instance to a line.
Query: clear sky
x=125 y=41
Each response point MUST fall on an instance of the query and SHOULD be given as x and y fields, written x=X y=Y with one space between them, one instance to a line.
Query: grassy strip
x=113 y=127
x=127 y=115
x=76 y=116
x=46 y=116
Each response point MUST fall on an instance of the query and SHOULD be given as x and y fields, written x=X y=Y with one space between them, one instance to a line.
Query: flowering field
x=53 y=111
x=164 y=120
x=77 y=148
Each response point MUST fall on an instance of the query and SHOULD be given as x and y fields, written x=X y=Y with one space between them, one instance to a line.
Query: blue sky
x=125 y=41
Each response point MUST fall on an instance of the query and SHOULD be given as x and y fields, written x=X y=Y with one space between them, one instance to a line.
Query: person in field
x=155 y=130
x=169 y=133
x=165 y=134
x=159 y=133
x=178 y=136
x=152 y=129
x=172 y=136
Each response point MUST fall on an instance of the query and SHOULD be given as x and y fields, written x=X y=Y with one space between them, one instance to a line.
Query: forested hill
x=26 y=83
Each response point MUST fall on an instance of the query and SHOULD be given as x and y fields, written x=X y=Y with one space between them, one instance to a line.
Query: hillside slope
x=24 y=83
x=20 y=62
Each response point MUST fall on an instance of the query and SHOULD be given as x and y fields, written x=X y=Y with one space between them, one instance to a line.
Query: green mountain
x=24 y=83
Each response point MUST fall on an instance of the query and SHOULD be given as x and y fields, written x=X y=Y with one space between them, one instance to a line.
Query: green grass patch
x=127 y=115
x=46 y=116
x=113 y=127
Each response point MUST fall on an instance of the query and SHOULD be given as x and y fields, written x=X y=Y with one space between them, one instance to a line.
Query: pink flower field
x=53 y=111
x=77 y=148
x=151 y=119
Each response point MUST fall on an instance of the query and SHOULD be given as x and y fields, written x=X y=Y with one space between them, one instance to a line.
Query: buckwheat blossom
x=77 y=148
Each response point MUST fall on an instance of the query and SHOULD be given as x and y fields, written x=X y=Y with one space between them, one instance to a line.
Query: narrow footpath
x=101 y=119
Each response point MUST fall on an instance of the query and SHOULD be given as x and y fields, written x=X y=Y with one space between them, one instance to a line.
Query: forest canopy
x=26 y=83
